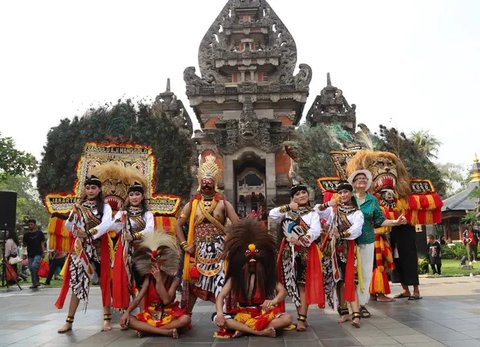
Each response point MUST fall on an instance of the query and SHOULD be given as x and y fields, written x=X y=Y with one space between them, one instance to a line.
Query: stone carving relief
x=167 y=104
x=331 y=104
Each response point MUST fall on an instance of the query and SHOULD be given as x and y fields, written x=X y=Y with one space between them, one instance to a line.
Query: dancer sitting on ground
x=250 y=252
x=157 y=260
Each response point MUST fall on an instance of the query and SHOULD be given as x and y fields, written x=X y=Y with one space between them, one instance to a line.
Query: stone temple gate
x=248 y=101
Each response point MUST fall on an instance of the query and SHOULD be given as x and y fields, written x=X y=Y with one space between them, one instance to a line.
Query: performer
x=157 y=261
x=340 y=259
x=250 y=252
x=299 y=258
x=89 y=221
x=373 y=245
x=133 y=223
x=206 y=214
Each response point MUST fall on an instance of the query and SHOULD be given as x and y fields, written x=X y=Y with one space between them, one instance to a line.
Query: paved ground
x=448 y=314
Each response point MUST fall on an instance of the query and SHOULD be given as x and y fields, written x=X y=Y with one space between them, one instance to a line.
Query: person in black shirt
x=434 y=255
x=34 y=240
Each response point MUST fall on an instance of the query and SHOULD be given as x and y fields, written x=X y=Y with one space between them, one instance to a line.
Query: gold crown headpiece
x=208 y=169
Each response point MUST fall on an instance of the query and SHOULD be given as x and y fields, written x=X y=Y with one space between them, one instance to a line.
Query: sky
x=411 y=64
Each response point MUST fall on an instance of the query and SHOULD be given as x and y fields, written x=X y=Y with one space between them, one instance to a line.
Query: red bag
x=10 y=274
x=43 y=268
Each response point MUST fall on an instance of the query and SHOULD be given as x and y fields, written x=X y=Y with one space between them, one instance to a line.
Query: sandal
x=302 y=318
x=68 y=326
x=415 y=297
x=107 y=317
x=364 y=312
x=356 y=316
x=402 y=296
x=343 y=312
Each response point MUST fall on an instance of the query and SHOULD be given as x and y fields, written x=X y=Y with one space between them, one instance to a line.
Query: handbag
x=43 y=268
x=10 y=273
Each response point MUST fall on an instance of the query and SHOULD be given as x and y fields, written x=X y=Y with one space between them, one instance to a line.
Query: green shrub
x=422 y=266
x=455 y=251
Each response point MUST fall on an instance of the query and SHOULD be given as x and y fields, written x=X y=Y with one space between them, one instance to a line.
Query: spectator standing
x=434 y=252
x=470 y=239
x=34 y=240
x=56 y=260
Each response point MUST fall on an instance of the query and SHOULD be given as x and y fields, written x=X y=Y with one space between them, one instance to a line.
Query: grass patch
x=451 y=267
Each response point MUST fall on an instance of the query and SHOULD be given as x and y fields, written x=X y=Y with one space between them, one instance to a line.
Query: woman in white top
x=132 y=223
x=90 y=219
x=301 y=227
x=344 y=225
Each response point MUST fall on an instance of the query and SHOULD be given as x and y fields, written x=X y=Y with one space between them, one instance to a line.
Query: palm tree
x=427 y=143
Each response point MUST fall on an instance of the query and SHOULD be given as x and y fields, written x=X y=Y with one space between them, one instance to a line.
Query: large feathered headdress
x=250 y=249
x=157 y=247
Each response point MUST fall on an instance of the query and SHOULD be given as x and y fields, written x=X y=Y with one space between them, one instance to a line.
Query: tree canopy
x=14 y=162
x=29 y=204
x=122 y=122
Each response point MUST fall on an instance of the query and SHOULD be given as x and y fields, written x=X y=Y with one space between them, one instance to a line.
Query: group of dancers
x=318 y=262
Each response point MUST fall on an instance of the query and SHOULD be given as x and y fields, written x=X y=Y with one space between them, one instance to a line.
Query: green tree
x=29 y=204
x=426 y=143
x=455 y=177
x=14 y=162
x=122 y=122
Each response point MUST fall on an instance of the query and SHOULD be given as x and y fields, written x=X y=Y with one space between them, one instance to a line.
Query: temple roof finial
x=168 y=85
x=329 y=82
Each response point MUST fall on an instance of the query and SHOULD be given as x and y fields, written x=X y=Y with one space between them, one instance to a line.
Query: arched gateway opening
x=250 y=185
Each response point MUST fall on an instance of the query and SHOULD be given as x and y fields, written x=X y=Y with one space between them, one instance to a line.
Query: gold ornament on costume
x=208 y=169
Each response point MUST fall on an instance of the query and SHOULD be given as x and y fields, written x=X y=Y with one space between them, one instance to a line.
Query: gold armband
x=345 y=234
x=137 y=236
x=284 y=208
x=92 y=232
x=183 y=244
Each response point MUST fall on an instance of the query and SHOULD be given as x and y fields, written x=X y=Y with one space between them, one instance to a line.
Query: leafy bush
x=453 y=251
x=422 y=266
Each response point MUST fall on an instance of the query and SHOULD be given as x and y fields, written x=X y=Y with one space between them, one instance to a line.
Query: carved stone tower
x=331 y=107
x=248 y=101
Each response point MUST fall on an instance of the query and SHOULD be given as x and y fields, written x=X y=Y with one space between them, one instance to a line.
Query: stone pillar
x=228 y=179
x=271 y=178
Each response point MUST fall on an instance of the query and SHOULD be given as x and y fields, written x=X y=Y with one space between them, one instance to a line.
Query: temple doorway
x=250 y=186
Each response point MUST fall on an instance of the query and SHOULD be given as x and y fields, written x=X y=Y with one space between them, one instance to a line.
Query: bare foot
x=343 y=319
x=301 y=326
x=356 y=322
x=175 y=334
x=107 y=326
x=384 y=298
x=66 y=327
x=270 y=332
x=237 y=334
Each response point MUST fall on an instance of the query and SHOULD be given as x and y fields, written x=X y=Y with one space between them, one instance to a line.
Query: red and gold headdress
x=208 y=170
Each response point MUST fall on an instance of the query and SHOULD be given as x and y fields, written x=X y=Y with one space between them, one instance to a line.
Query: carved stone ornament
x=331 y=106
x=167 y=104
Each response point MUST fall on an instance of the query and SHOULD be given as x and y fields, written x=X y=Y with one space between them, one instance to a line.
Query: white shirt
x=310 y=218
x=356 y=219
x=147 y=217
x=104 y=226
